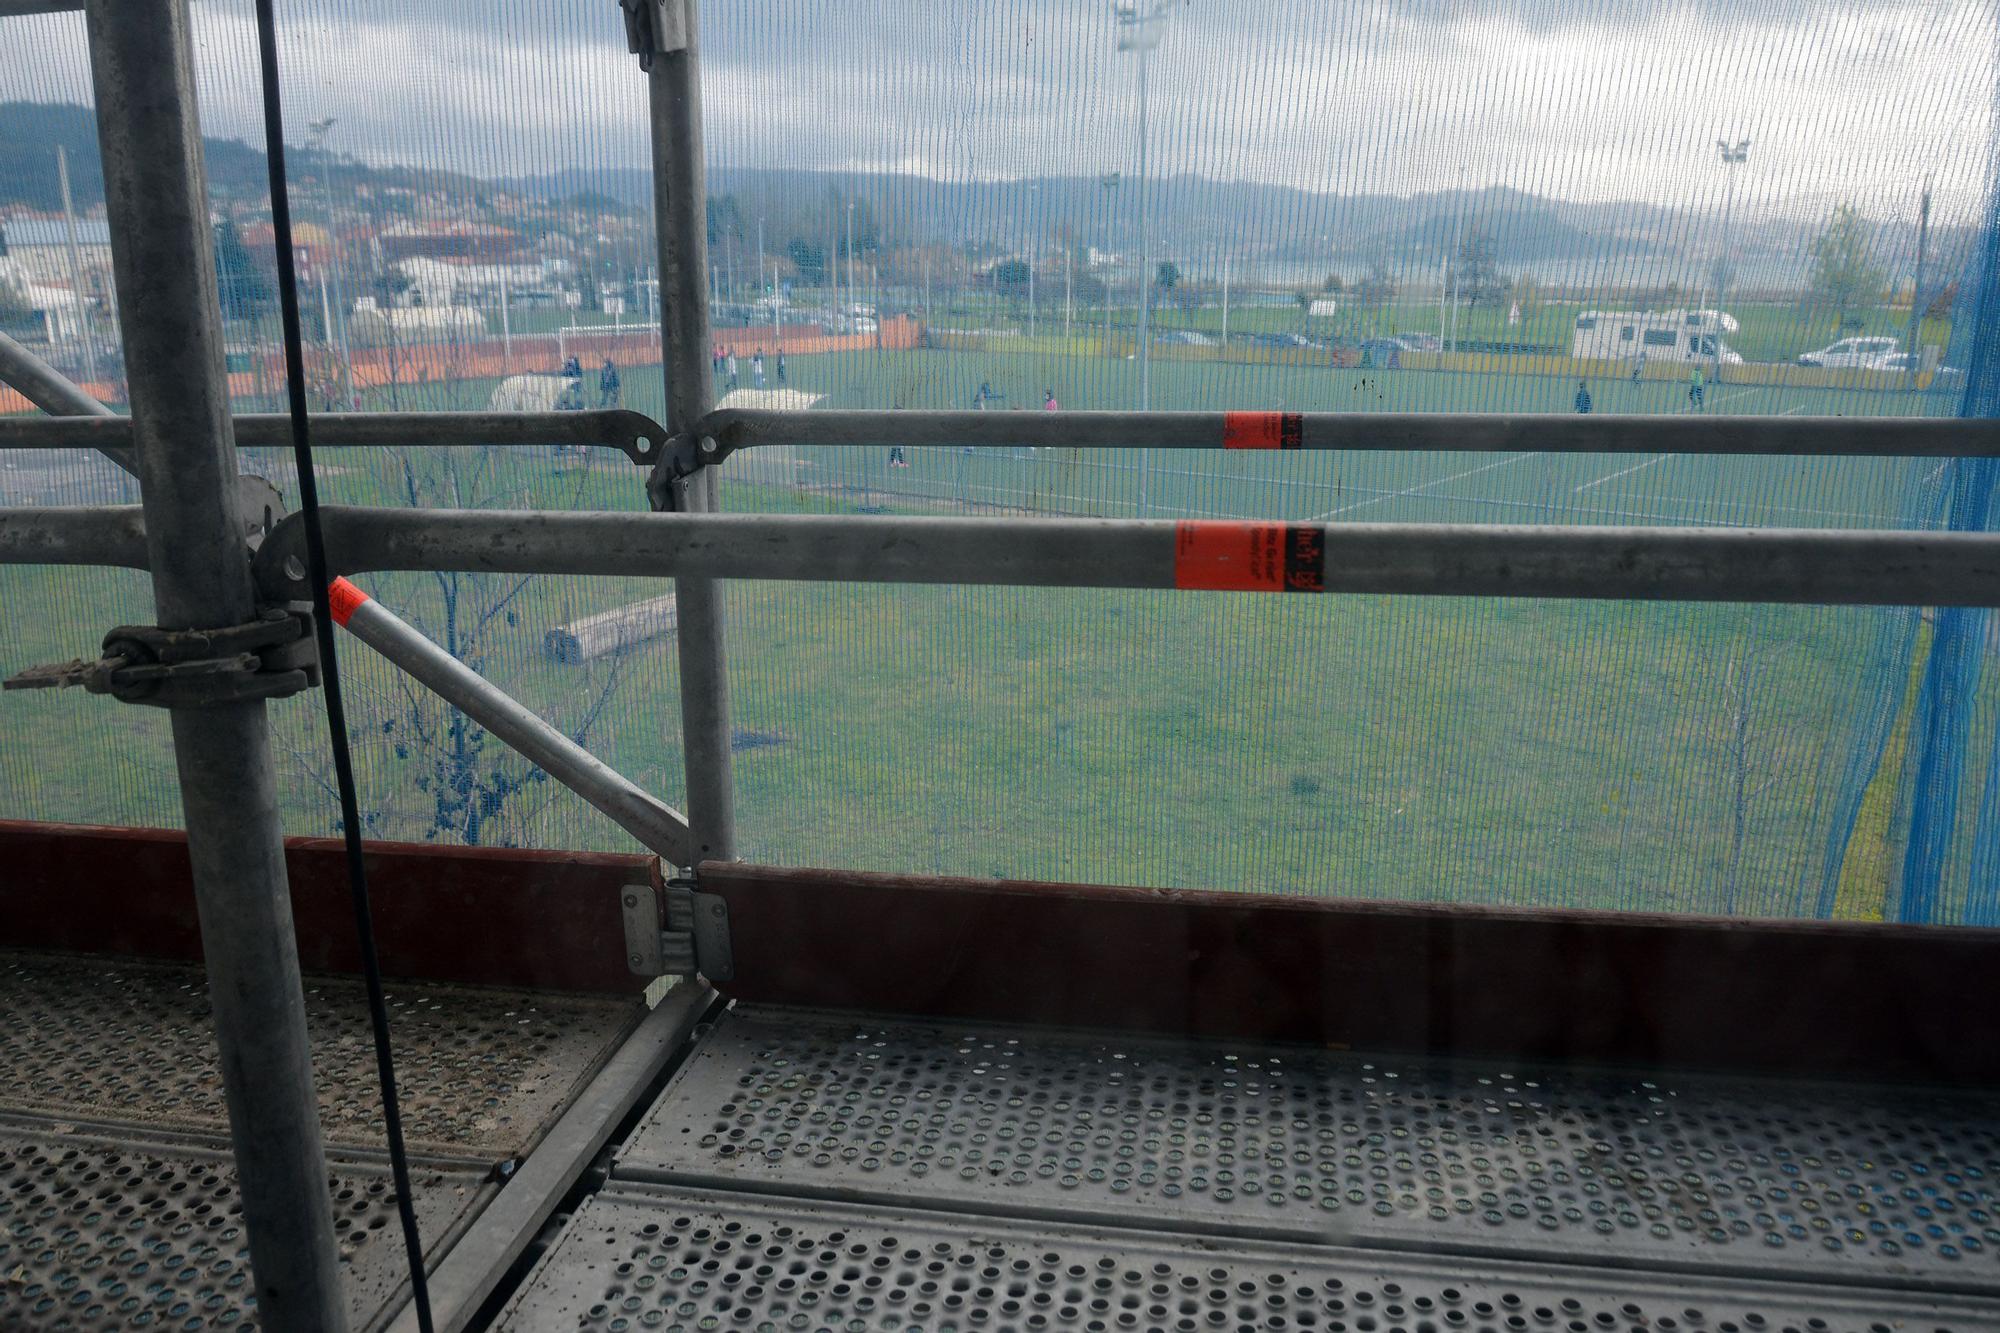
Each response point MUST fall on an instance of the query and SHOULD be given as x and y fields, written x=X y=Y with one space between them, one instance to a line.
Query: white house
x=40 y=247
x=442 y=282
x=52 y=300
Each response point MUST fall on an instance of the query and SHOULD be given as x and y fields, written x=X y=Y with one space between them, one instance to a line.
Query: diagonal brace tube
x=658 y=826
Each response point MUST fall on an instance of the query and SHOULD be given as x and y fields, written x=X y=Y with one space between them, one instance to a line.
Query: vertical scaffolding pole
x=156 y=195
x=680 y=193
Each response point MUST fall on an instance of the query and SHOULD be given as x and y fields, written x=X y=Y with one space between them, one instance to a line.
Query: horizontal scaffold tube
x=1422 y=432
x=1839 y=567
x=634 y=433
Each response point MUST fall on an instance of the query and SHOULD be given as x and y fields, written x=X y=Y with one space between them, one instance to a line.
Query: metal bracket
x=687 y=934
x=268 y=658
x=654 y=27
x=682 y=457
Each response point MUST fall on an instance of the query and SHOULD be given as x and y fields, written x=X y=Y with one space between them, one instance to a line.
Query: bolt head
x=708 y=445
x=631 y=900
x=715 y=909
x=635 y=960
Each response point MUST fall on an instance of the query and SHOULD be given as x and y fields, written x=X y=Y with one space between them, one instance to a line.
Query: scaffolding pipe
x=733 y=429
x=1778 y=565
x=638 y=436
x=42 y=384
x=680 y=214
x=105 y=535
x=52 y=391
x=156 y=198
x=13 y=8
x=1432 y=432
x=659 y=827
x=1831 y=566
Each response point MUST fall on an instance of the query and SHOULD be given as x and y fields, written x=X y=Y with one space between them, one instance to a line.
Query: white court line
x=1654 y=461
x=1419 y=490
x=1698 y=502
x=1661 y=458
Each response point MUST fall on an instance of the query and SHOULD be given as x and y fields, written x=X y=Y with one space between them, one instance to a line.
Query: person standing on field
x=1582 y=398
x=729 y=361
x=1696 y=382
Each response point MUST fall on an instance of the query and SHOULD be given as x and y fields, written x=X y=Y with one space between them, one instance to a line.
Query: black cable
x=336 y=711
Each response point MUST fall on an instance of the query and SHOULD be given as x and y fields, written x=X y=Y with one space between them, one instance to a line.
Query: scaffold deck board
x=1721 y=1176
x=480 y=1071
x=676 y=1259
x=118 y=1203
x=129 y=1232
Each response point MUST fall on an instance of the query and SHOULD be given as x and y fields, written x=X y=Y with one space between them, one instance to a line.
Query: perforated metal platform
x=1705 y=1175
x=117 y=1193
x=97 y=1233
x=677 y=1260
x=479 y=1071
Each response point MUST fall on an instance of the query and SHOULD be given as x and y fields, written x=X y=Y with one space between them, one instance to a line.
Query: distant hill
x=30 y=132
x=1194 y=219
x=1194 y=216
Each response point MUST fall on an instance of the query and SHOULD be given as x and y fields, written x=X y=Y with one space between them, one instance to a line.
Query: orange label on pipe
x=1262 y=430
x=1249 y=557
x=343 y=600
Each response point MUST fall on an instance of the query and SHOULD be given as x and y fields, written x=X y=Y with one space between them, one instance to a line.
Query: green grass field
x=1487 y=751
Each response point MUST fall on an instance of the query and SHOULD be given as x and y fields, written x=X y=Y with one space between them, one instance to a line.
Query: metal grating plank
x=658 y=1258
x=97 y=1233
x=1718 y=1175
x=480 y=1071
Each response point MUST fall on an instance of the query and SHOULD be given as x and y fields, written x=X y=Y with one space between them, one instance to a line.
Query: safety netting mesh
x=1764 y=209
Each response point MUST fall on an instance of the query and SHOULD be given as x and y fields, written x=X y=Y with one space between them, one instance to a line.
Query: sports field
x=1529 y=487
x=1656 y=757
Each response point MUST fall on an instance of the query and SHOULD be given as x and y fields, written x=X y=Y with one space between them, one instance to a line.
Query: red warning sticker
x=1249 y=557
x=343 y=600
x=1262 y=430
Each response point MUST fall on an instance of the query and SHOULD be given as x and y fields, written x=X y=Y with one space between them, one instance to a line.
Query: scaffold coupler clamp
x=653 y=27
x=267 y=658
x=681 y=458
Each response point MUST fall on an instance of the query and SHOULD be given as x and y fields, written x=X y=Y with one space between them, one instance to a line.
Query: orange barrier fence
x=431 y=363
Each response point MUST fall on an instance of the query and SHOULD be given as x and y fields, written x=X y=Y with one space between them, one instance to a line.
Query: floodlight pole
x=1914 y=338
x=1732 y=155
x=1139 y=30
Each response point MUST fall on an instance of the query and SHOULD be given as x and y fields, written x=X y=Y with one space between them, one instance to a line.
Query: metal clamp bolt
x=268 y=658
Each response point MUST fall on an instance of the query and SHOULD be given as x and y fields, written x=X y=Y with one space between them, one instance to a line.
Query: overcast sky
x=1590 y=100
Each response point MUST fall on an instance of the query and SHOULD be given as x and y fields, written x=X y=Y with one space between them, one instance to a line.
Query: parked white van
x=1656 y=335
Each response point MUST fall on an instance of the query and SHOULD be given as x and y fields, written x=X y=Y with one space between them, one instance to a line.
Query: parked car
x=1853 y=354
x=1383 y=351
x=1903 y=363
x=1185 y=338
x=1419 y=342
